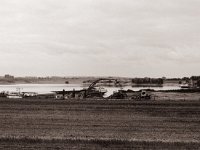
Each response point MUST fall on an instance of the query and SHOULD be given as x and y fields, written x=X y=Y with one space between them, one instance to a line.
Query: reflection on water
x=47 y=88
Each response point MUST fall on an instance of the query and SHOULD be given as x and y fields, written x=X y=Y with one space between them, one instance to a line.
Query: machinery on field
x=129 y=94
x=98 y=92
x=142 y=94
x=91 y=92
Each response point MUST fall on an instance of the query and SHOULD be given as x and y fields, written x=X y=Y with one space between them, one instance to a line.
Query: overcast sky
x=133 y=38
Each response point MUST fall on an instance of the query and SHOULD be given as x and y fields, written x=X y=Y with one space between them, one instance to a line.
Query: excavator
x=90 y=92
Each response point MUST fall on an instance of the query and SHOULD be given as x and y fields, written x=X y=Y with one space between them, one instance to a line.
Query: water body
x=47 y=88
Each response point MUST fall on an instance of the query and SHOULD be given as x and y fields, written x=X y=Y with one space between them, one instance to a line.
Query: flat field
x=99 y=124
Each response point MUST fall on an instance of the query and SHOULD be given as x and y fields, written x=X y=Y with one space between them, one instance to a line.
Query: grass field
x=99 y=124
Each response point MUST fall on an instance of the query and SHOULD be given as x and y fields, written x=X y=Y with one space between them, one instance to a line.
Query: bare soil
x=99 y=124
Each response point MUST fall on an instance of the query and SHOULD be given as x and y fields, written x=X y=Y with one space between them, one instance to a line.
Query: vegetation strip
x=90 y=140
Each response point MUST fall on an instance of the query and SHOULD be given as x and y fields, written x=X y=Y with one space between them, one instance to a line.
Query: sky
x=129 y=38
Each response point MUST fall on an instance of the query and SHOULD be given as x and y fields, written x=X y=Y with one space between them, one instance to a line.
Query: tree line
x=147 y=81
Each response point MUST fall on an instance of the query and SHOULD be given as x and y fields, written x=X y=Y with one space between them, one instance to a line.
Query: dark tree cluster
x=147 y=81
x=198 y=83
x=195 y=78
x=174 y=79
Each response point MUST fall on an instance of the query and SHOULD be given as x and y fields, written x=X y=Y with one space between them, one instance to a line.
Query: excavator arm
x=92 y=85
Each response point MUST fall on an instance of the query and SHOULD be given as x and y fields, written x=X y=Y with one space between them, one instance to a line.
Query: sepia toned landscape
x=163 y=114
x=99 y=75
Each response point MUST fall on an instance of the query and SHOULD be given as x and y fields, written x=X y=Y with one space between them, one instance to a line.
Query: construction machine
x=90 y=92
x=130 y=94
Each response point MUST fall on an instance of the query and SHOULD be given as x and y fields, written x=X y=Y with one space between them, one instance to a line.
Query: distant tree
x=195 y=77
x=198 y=83
x=148 y=81
x=186 y=78
x=160 y=81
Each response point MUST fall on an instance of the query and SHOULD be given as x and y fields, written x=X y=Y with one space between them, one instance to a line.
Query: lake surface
x=47 y=88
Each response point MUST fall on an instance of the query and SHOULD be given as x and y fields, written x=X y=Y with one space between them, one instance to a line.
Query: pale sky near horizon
x=132 y=38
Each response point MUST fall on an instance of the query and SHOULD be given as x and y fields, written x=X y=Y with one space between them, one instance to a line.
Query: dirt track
x=161 y=124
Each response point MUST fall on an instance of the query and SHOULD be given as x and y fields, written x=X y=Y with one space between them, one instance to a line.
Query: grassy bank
x=42 y=144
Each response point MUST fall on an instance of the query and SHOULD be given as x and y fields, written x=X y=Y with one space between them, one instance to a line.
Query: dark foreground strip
x=95 y=143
